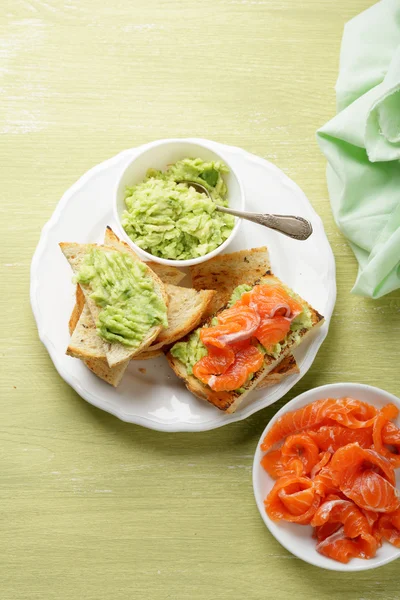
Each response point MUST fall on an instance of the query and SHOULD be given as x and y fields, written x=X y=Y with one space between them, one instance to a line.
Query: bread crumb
x=142 y=370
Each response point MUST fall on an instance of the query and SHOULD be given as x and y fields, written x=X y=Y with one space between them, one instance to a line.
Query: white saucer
x=155 y=398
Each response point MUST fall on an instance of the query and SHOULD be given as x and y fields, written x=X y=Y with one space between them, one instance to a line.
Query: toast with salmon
x=230 y=400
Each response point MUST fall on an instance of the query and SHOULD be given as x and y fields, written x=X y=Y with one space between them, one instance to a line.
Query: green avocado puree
x=193 y=350
x=174 y=221
x=125 y=292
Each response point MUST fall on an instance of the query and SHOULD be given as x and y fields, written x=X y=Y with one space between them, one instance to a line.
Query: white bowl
x=297 y=538
x=158 y=155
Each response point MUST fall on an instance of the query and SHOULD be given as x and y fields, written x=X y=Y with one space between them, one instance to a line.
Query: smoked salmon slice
x=215 y=363
x=301 y=446
x=264 y=314
x=345 y=512
x=388 y=412
x=234 y=325
x=332 y=437
x=272 y=300
x=389 y=527
x=292 y=499
x=391 y=434
x=324 y=458
x=247 y=361
x=272 y=331
x=299 y=455
x=272 y=463
x=346 y=411
x=365 y=477
x=341 y=548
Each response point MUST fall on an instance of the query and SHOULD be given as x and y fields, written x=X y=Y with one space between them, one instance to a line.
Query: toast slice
x=230 y=401
x=167 y=274
x=148 y=354
x=185 y=311
x=225 y=272
x=116 y=353
x=83 y=333
x=288 y=366
x=77 y=310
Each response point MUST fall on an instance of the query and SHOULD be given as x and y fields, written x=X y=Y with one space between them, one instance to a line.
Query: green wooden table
x=92 y=508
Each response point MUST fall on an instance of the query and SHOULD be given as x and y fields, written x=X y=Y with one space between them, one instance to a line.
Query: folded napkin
x=362 y=145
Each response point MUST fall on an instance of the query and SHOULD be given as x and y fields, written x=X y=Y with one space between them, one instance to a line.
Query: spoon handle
x=294 y=227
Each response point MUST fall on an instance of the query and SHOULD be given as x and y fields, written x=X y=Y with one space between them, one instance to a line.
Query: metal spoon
x=294 y=227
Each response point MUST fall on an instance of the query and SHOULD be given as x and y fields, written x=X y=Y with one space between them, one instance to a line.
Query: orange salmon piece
x=332 y=437
x=272 y=331
x=324 y=458
x=247 y=361
x=234 y=325
x=272 y=464
x=391 y=434
x=345 y=512
x=216 y=362
x=388 y=412
x=271 y=300
x=389 y=527
x=341 y=548
x=292 y=499
x=301 y=446
x=346 y=411
x=324 y=484
x=365 y=477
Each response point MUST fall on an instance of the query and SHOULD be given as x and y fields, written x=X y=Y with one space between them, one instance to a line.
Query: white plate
x=295 y=538
x=156 y=398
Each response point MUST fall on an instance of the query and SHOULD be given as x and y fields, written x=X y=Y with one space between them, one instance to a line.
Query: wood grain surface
x=93 y=508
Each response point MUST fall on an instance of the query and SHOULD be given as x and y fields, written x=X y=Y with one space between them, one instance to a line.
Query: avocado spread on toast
x=130 y=306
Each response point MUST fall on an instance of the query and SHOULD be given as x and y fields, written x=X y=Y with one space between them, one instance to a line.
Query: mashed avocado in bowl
x=173 y=221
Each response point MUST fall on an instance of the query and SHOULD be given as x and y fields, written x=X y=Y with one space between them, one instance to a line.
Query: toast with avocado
x=269 y=346
x=126 y=299
x=184 y=312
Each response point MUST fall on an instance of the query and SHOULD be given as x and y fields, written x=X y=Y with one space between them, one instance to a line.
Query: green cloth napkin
x=362 y=145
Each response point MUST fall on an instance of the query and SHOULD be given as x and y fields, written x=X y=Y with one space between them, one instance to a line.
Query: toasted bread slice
x=167 y=274
x=148 y=354
x=116 y=353
x=83 y=332
x=288 y=366
x=185 y=311
x=230 y=401
x=77 y=310
x=225 y=272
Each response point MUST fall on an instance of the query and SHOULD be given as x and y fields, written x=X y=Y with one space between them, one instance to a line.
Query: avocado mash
x=174 y=221
x=126 y=295
x=193 y=350
x=238 y=293
x=190 y=352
